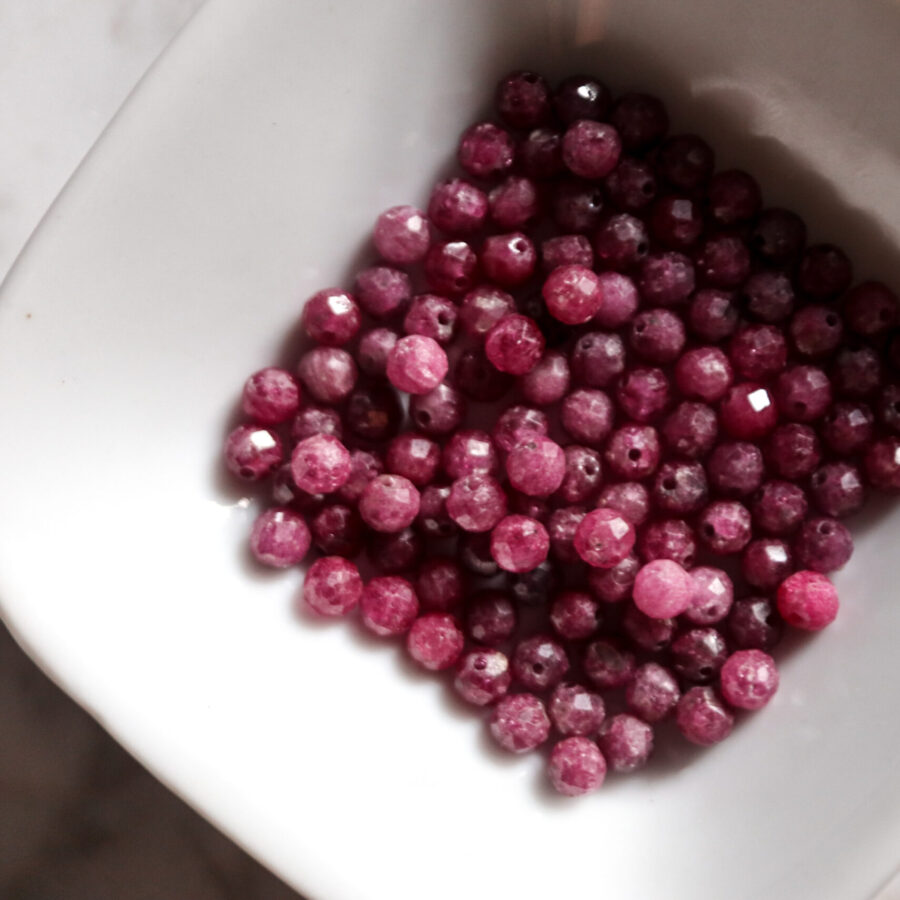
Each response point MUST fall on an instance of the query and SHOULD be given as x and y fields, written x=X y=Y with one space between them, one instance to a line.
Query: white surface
x=243 y=176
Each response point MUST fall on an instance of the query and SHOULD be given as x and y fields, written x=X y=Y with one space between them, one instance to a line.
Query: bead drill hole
x=669 y=483
x=831 y=320
x=825 y=528
x=634 y=454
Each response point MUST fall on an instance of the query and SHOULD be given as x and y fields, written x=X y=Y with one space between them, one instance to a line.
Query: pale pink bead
x=389 y=503
x=663 y=589
x=482 y=676
x=416 y=364
x=253 y=453
x=749 y=679
x=519 y=723
x=572 y=294
x=402 y=235
x=575 y=710
x=536 y=466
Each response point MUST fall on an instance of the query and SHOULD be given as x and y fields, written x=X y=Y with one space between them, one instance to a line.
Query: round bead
x=793 y=451
x=566 y=250
x=576 y=767
x=539 y=663
x=482 y=308
x=837 y=489
x=482 y=676
x=753 y=623
x=431 y=316
x=816 y=331
x=882 y=464
x=539 y=153
x=668 y=539
x=395 y=552
x=332 y=586
x=607 y=665
x=279 y=538
x=597 y=358
x=620 y=300
x=402 y=235
x=575 y=710
x=337 y=530
x=848 y=427
x=435 y=641
x=320 y=464
x=575 y=615
x=713 y=315
x=548 y=382
x=373 y=350
x=662 y=589
x=470 y=452
x=666 y=279
x=476 y=502
x=712 y=598
x=824 y=271
x=519 y=723
x=734 y=196
x=723 y=261
x=803 y=393
x=604 y=538
x=252 y=453
x=704 y=374
x=457 y=206
x=657 y=336
x=584 y=474
x=519 y=543
x=316 y=420
x=632 y=451
x=490 y=618
x=725 y=527
x=271 y=396
x=621 y=242
x=807 y=600
x=485 y=149
x=748 y=411
x=328 y=373
x=508 y=259
x=766 y=562
x=587 y=416
x=561 y=526
x=779 y=236
x=653 y=692
x=416 y=364
x=576 y=206
x=591 y=149
x=413 y=456
x=515 y=344
x=676 y=221
x=759 y=352
x=702 y=718
x=690 y=430
x=388 y=605
x=769 y=296
x=626 y=742
x=823 y=544
x=630 y=498
x=433 y=520
x=614 y=584
x=364 y=466
x=871 y=309
x=331 y=317
x=645 y=632
x=523 y=100
x=382 y=291
x=779 y=507
x=632 y=184
x=686 y=161
x=536 y=466
x=680 y=488
x=439 y=412
x=749 y=679
x=735 y=468
x=451 y=268
x=389 y=503
x=572 y=294
x=440 y=584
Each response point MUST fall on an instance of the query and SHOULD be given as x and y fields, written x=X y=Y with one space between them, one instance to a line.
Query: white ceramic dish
x=245 y=173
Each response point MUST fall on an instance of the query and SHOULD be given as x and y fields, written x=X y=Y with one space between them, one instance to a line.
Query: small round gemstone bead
x=686 y=161
x=646 y=632
x=630 y=498
x=653 y=692
x=581 y=97
x=604 y=538
x=572 y=294
x=676 y=222
x=633 y=451
x=490 y=618
x=748 y=411
x=435 y=641
x=519 y=722
x=657 y=336
x=680 y=488
x=793 y=451
x=597 y=358
x=470 y=452
x=320 y=464
x=482 y=676
x=725 y=527
x=584 y=474
x=457 y=206
x=888 y=406
x=566 y=250
x=733 y=196
x=561 y=526
x=626 y=742
x=621 y=241
x=451 y=267
x=713 y=315
x=313 y=420
x=779 y=236
x=486 y=149
x=758 y=352
x=416 y=364
x=643 y=393
x=823 y=544
x=536 y=466
x=769 y=296
x=749 y=679
x=591 y=149
x=848 y=427
x=735 y=468
x=519 y=543
x=576 y=767
x=575 y=710
x=373 y=350
x=713 y=596
x=389 y=503
x=816 y=331
x=402 y=235
x=539 y=663
x=252 y=453
x=574 y=615
x=286 y=493
x=395 y=552
x=620 y=300
x=668 y=539
x=482 y=308
x=662 y=589
x=837 y=489
x=328 y=373
x=577 y=206
x=607 y=665
x=640 y=119
x=332 y=586
x=433 y=520
x=824 y=271
x=331 y=317
x=587 y=416
x=279 y=538
x=337 y=530
x=690 y=430
x=766 y=563
x=882 y=464
x=539 y=153
x=388 y=605
x=382 y=291
x=413 y=456
x=476 y=502
x=439 y=412
x=373 y=412
x=364 y=466
x=666 y=279
x=778 y=507
x=723 y=261
x=753 y=623
x=632 y=184
x=702 y=717
x=518 y=424
x=614 y=584
x=271 y=396
x=704 y=374
x=431 y=316
x=515 y=344
x=548 y=382
x=508 y=259
x=807 y=600
x=523 y=100
x=871 y=309
x=856 y=371
x=440 y=584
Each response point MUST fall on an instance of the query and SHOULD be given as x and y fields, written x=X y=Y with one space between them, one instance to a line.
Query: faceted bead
x=653 y=692
x=591 y=149
x=519 y=543
x=754 y=623
x=824 y=271
x=523 y=100
x=519 y=723
x=607 y=665
x=576 y=767
x=769 y=296
x=713 y=315
x=778 y=507
x=536 y=466
x=698 y=654
x=439 y=412
x=702 y=718
x=856 y=371
x=690 y=430
x=482 y=676
x=457 y=206
x=748 y=411
x=848 y=427
x=725 y=527
x=793 y=451
x=646 y=632
x=566 y=250
x=514 y=202
x=313 y=420
x=486 y=149
x=734 y=197
x=482 y=308
x=626 y=742
x=712 y=598
x=279 y=538
x=533 y=588
x=584 y=474
x=332 y=586
x=253 y=453
x=548 y=382
x=440 y=584
x=539 y=153
x=632 y=184
x=837 y=489
x=574 y=615
x=476 y=502
x=470 y=452
x=668 y=539
x=587 y=416
x=643 y=393
x=451 y=268
x=604 y=538
x=633 y=451
x=779 y=236
x=577 y=206
x=735 y=468
x=373 y=350
x=749 y=679
x=723 y=261
x=388 y=605
x=630 y=498
x=539 y=663
x=807 y=600
x=477 y=377
x=490 y=617
x=597 y=358
x=662 y=589
x=572 y=294
x=271 y=396
x=816 y=331
x=621 y=241
x=431 y=316
x=871 y=309
x=620 y=300
x=676 y=222
x=575 y=710
x=416 y=364
x=435 y=641
x=389 y=503
x=514 y=345
x=758 y=352
x=402 y=235
x=686 y=161
x=508 y=259
x=433 y=520
x=882 y=464
x=766 y=563
x=823 y=544
x=614 y=584
x=680 y=488
x=666 y=279
x=328 y=373
x=413 y=456
x=320 y=464
x=383 y=291
x=337 y=530
x=561 y=526
x=657 y=336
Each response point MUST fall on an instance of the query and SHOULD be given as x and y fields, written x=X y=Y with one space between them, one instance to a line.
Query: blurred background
x=79 y=818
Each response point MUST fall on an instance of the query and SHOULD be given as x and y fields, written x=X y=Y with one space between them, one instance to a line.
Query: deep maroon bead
x=778 y=236
x=382 y=291
x=320 y=464
x=364 y=466
x=581 y=97
x=508 y=259
x=704 y=374
x=847 y=427
x=597 y=358
x=614 y=584
x=316 y=420
x=332 y=586
x=713 y=596
x=587 y=416
x=768 y=296
x=523 y=100
x=888 y=407
x=476 y=502
x=871 y=309
x=539 y=663
x=604 y=538
x=575 y=615
x=482 y=676
x=577 y=206
x=531 y=304
x=882 y=464
x=372 y=352
x=539 y=153
x=657 y=336
x=803 y=393
x=735 y=468
x=440 y=584
x=451 y=267
x=469 y=452
x=690 y=430
x=824 y=272
x=575 y=710
x=435 y=641
x=748 y=411
x=402 y=235
x=680 y=488
x=514 y=345
x=388 y=605
x=807 y=600
x=490 y=618
x=793 y=451
x=331 y=317
x=653 y=692
x=475 y=554
x=286 y=493
x=279 y=538
x=561 y=526
x=671 y=539
x=413 y=456
x=431 y=316
x=713 y=315
x=439 y=412
x=270 y=396
x=457 y=206
x=633 y=451
x=485 y=149
x=608 y=665
x=548 y=382
x=725 y=527
x=572 y=294
x=591 y=149
x=698 y=654
x=482 y=308
x=328 y=373
x=519 y=543
x=758 y=352
x=478 y=378
x=754 y=623
x=534 y=588
x=676 y=222
x=779 y=507
x=645 y=632
x=519 y=723
x=632 y=184
x=416 y=364
x=373 y=412
x=514 y=202
x=626 y=743
x=816 y=331
x=621 y=242
x=630 y=498
x=766 y=562
x=666 y=279
x=389 y=503
x=734 y=196
x=643 y=393
x=620 y=300
x=640 y=119
x=856 y=371
x=337 y=530
x=583 y=476
x=686 y=161
x=516 y=424
x=566 y=250
x=823 y=544
x=433 y=520
x=702 y=717
x=722 y=261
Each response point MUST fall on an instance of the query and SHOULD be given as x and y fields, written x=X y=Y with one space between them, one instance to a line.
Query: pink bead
x=320 y=464
x=514 y=202
x=725 y=527
x=337 y=530
x=279 y=538
x=536 y=466
x=328 y=373
x=519 y=543
x=519 y=723
x=508 y=259
x=373 y=350
x=416 y=364
x=566 y=250
x=657 y=336
x=457 y=206
x=470 y=452
x=598 y=358
x=620 y=300
x=575 y=710
x=476 y=502
x=439 y=412
x=604 y=538
x=653 y=692
x=440 y=584
x=591 y=149
x=331 y=317
x=576 y=767
x=758 y=352
x=734 y=196
x=668 y=539
x=413 y=456
x=539 y=153
x=572 y=294
x=515 y=344
x=271 y=396
x=490 y=618
x=712 y=598
x=574 y=615
x=690 y=430
x=584 y=475
x=382 y=291
x=633 y=451
x=807 y=600
x=451 y=267
x=663 y=589
x=587 y=416
x=882 y=464
x=313 y=420
x=749 y=679
x=766 y=562
x=626 y=742
x=402 y=235
x=548 y=382
x=646 y=633
x=803 y=393
x=482 y=676
x=332 y=586
x=432 y=519
x=431 y=316
x=389 y=503
x=614 y=584
x=702 y=718
x=252 y=453
x=435 y=642
x=388 y=605
x=748 y=411
x=630 y=498
x=643 y=393
x=486 y=149
x=517 y=424
x=482 y=308
x=704 y=374
x=823 y=544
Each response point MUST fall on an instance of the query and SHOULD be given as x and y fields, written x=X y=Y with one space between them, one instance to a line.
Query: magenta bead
x=576 y=767
x=517 y=424
x=523 y=100
x=620 y=300
x=451 y=268
x=279 y=538
x=712 y=598
x=598 y=358
x=748 y=411
x=626 y=742
x=536 y=466
x=837 y=489
x=383 y=291
x=457 y=206
x=653 y=692
x=549 y=380
x=476 y=503
x=680 y=488
x=416 y=364
x=630 y=498
x=388 y=605
x=591 y=149
x=572 y=294
x=702 y=718
x=252 y=453
x=823 y=544
x=574 y=615
x=735 y=468
x=604 y=538
x=807 y=600
x=607 y=665
x=803 y=393
x=389 y=503
x=713 y=315
x=766 y=562
x=435 y=641
x=575 y=710
x=486 y=149
x=758 y=352
x=373 y=350
x=519 y=723
x=271 y=396
x=320 y=464
x=333 y=586
x=514 y=202
x=490 y=618
x=515 y=344
x=734 y=196
x=439 y=412
x=470 y=452
x=614 y=584
x=584 y=474
x=508 y=259
x=566 y=250
x=328 y=373
x=539 y=663
x=632 y=451
x=482 y=308
x=402 y=235
x=725 y=527
x=519 y=543
x=482 y=676
x=643 y=393
x=587 y=416
x=663 y=589
x=657 y=336
x=668 y=539
x=431 y=316
x=871 y=309
x=313 y=420
x=690 y=430
x=882 y=464
x=413 y=456
x=749 y=679
x=666 y=279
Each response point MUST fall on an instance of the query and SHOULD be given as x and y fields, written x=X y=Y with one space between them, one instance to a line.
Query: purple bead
x=769 y=296
x=482 y=308
x=490 y=618
x=686 y=161
x=382 y=291
x=626 y=742
x=824 y=272
x=702 y=718
x=766 y=563
x=676 y=222
x=748 y=411
x=735 y=468
x=435 y=641
x=519 y=723
x=723 y=261
x=514 y=202
x=803 y=393
x=373 y=412
x=431 y=316
x=396 y=552
x=402 y=235
x=476 y=502
x=779 y=236
x=539 y=153
x=856 y=371
x=671 y=539
x=632 y=451
x=279 y=538
x=548 y=382
x=469 y=452
x=591 y=149
x=690 y=430
x=478 y=378
x=575 y=615
x=882 y=464
x=320 y=464
x=328 y=373
x=871 y=309
x=539 y=663
x=807 y=600
x=514 y=345
x=583 y=476
x=598 y=358
x=389 y=503
x=698 y=654
x=614 y=584
x=778 y=507
x=607 y=665
x=680 y=488
x=749 y=679
x=848 y=427
x=734 y=196
x=332 y=586
x=271 y=396
x=508 y=259
x=604 y=538
x=632 y=184
x=581 y=97
x=413 y=456
x=486 y=149
x=566 y=250
x=451 y=267
x=653 y=693
x=482 y=676
x=337 y=531
x=713 y=596
x=758 y=352
x=754 y=623
x=439 y=412
x=457 y=206
x=837 y=489
x=373 y=350
x=561 y=526
x=666 y=279
x=621 y=241
x=643 y=393
x=816 y=331
x=364 y=466
x=657 y=336
x=440 y=584
x=793 y=451
x=823 y=544
x=416 y=364
x=725 y=527
x=577 y=206
x=575 y=710
x=316 y=420
x=388 y=605
x=433 y=520
x=620 y=300
x=662 y=589
x=253 y=453
x=713 y=315
x=704 y=374
x=572 y=294
x=523 y=100
x=645 y=632
x=640 y=119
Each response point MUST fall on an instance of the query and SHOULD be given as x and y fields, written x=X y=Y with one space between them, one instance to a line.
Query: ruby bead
x=433 y=520
x=888 y=406
x=758 y=352
x=653 y=692
x=824 y=271
x=823 y=544
x=566 y=250
x=539 y=663
x=591 y=149
x=803 y=393
x=643 y=393
x=508 y=259
x=604 y=538
x=581 y=97
x=373 y=412
x=690 y=430
x=402 y=235
x=388 y=605
x=626 y=742
x=702 y=718
x=766 y=563
x=575 y=710
x=735 y=468
x=431 y=316
x=332 y=586
x=748 y=411
x=597 y=358
x=328 y=373
x=686 y=161
x=630 y=498
x=769 y=296
x=713 y=315
x=286 y=493
x=725 y=527
x=395 y=552
x=576 y=767
x=435 y=641
x=279 y=538
x=698 y=654
x=632 y=451
x=577 y=206
x=372 y=352
x=253 y=453
x=572 y=294
x=539 y=153
x=536 y=466
x=523 y=100
x=490 y=618
x=807 y=600
x=469 y=452
x=632 y=184
x=645 y=632
x=519 y=543
x=754 y=623
x=856 y=371
x=793 y=451
x=704 y=374
x=514 y=202
x=440 y=584
x=779 y=236
x=575 y=615
x=723 y=261
x=676 y=222
x=587 y=416
x=476 y=502
x=337 y=531
x=666 y=279
x=519 y=723
x=482 y=308
x=439 y=412
x=733 y=196
x=668 y=539
x=779 y=507
x=614 y=584
x=662 y=589
x=271 y=396
x=413 y=456
x=749 y=679
x=320 y=464
x=871 y=309
x=313 y=420
x=584 y=474
x=548 y=382
x=416 y=364
x=882 y=464
x=517 y=424
x=621 y=241
x=389 y=503
x=680 y=488
x=486 y=149
x=451 y=267
x=816 y=331
x=561 y=526
x=712 y=598
x=640 y=119
x=607 y=665
x=515 y=344
x=657 y=336
x=383 y=291
x=848 y=427
x=482 y=676
x=837 y=489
